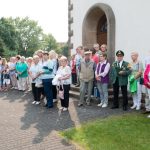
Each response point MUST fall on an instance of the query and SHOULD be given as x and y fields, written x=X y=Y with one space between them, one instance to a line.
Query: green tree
x=29 y=35
x=24 y=36
x=65 y=50
x=8 y=36
x=49 y=42
x=2 y=47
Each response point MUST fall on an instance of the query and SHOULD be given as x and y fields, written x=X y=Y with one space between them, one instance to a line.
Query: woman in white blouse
x=65 y=80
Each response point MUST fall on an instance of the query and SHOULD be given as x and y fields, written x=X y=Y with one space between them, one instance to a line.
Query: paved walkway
x=24 y=126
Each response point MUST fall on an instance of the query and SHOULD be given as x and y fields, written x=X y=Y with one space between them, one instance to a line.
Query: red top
x=147 y=76
x=73 y=66
x=95 y=58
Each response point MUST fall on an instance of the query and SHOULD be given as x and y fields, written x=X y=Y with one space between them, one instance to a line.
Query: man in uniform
x=119 y=77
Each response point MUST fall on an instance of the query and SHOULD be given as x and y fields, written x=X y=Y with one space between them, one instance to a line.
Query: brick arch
x=91 y=23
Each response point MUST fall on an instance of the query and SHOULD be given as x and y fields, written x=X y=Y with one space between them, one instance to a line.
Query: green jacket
x=23 y=68
x=114 y=73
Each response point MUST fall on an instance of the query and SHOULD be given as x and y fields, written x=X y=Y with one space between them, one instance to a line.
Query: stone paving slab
x=24 y=126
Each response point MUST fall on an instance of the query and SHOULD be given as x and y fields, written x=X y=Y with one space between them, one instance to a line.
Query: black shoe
x=125 y=108
x=79 y=105
x=115 y=107
x=146 y=112
x=45 y=105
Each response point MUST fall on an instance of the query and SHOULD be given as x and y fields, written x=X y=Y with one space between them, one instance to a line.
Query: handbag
x=141 y=80
x=61 y=92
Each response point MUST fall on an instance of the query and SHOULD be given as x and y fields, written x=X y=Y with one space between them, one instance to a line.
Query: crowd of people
x=49 y=75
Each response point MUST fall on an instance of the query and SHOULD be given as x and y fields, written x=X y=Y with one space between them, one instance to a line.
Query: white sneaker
x=37 y=103
x=65 y=109
x=33 y=102
x=61 y=108
x=138 y=108
x=148 y=116
x=100 y=105
x=104 y=105
x=133 y=107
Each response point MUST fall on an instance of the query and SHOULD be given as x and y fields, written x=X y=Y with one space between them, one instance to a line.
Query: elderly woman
x=12 y=72
x=47 y=75
x=102 y=77
x=147 y=85
x=53 y=57
x=65 y=80
x=36 y=87
x=29 y=61
x=0 y=73
x=22 y=71
x=137 y=68
x=5 y=74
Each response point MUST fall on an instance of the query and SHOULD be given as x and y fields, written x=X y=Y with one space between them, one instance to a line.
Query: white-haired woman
x=65 y=80
x=137 y=69
x=37 y=88
x=12 y=72
x=53 y=57
x=22 y=71
x=29 y=61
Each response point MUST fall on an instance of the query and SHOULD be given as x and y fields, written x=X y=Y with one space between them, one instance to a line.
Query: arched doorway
x=99 y=27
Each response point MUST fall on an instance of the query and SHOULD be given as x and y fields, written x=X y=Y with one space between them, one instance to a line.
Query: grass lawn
x=126 y=132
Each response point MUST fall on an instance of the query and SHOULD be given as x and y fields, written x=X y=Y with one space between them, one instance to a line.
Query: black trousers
x=54 y=91
x=37 y=92
x=116 y=94
x=65 y=101
x=74 y=78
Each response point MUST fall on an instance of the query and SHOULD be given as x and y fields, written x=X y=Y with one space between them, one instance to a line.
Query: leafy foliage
x=23 y=36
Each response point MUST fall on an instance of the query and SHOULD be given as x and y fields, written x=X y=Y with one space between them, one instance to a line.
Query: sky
x=52 y=15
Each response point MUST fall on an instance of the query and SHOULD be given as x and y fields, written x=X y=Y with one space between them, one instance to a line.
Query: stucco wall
x=132 y=24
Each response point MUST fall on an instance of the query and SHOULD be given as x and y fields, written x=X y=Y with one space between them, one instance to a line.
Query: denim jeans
x=47 y=84
x=103 y=90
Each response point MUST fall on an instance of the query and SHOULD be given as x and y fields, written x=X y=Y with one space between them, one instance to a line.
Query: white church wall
x=132 y=24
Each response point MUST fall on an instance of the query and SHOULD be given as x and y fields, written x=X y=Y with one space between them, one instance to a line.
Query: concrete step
x=77 y=89
x=76 y=95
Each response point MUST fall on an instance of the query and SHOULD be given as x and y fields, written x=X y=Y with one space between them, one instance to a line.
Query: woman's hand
x=60 y=78
x=148 y=83
x=98 y=78
x=19 y=72
x=41 y=72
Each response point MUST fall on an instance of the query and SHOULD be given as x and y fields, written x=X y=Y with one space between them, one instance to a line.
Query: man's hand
x=121 y=72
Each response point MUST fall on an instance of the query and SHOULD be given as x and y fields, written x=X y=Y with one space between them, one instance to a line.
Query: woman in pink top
x=147 y=85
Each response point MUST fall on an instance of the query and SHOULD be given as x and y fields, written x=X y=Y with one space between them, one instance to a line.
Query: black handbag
x=141 y=80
